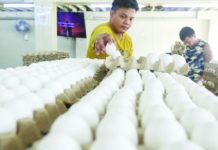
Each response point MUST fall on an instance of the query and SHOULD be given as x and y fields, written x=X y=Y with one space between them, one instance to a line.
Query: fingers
x=101 y=42
x=99 y=47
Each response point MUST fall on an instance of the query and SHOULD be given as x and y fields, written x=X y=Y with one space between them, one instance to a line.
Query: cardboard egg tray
x=211 y=77
x=30 y=58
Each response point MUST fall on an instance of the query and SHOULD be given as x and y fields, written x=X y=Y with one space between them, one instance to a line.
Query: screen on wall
x=71 y=24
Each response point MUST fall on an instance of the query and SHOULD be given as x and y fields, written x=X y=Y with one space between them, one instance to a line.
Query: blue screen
x=71 y=24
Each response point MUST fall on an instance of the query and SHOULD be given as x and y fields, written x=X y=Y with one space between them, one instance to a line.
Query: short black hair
x=186 y=32
x=125 y=4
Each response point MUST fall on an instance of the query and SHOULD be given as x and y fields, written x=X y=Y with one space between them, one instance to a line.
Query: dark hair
x=125 y=4
x=186 y=32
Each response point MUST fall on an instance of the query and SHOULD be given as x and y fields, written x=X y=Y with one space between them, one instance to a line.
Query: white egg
x=10 y=82
x=121 y=102
x=181 y=107
x=87 y=112
x=6 y=96
x=176 y=97
x=115 y=125
x=32 y=83
x=111 y=50
x=206 y=135
x=73 y=126
x=152 y=59
x=149 y=99
x=46 y=95
x=195 y=116
x=95 y=101
x=162 y=132
x=155 y=112
x=32 y=100
x=19 y=109
x=183 y=145
x=2 y=88
x=165 y=61
x=114 y=143
x=124 y=112
x=8 y=123
x=57 y=141
x=20 y=90
x=213 y=108
x=55 y=87
x=113 y=86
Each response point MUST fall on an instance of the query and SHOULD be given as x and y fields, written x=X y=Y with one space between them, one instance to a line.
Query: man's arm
x=208 y=53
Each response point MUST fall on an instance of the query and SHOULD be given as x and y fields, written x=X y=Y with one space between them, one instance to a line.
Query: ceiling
x=145 y=5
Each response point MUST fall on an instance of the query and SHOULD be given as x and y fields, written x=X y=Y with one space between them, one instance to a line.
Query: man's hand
x=101 y=42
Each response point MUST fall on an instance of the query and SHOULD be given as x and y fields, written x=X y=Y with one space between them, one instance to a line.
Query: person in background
x=196 y=54
x=121 y=16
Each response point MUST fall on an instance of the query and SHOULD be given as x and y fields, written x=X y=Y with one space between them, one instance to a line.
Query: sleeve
x=208 y=53
x=98 y=30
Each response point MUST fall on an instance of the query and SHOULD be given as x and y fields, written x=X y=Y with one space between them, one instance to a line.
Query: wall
x=152 y=33
x=149 y=33
x=13 y=46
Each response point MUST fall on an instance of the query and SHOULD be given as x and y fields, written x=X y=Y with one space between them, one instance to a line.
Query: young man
x=121 y=17
x=197 y=53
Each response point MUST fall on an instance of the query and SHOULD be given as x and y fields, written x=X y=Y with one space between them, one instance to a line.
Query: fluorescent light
x=108 y=5
x=18 y=5
x=100 y=5
x=190 y=5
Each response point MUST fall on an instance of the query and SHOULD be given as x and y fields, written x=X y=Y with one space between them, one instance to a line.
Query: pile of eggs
x=153 y=61
x=28 y=88
x=128 y=110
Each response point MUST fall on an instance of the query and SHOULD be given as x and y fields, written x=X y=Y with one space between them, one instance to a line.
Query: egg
x=155 y=112
x=166 y=63
x=10 y=82
x=8 y=123
x=2 y=88
x=111 y=50
x=20 y=90
x=206 y=135
x=117 y=125
x=182 y=145
x=161 y=132
x=152 y=59
x=57 y=141
x=149 y=99
x=18 y=109
x=124 y=112
x=195 y=116
x=181 y=107
x=32 y=83
x=32 y=100
x=6 y=96
x=74 y=126
x=46 y=95
x=115 y=143
x=95 y=101
x=213 y=108
x=87 y=112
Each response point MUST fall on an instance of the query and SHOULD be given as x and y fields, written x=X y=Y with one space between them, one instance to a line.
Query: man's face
x=121 y=19
x=190 y=41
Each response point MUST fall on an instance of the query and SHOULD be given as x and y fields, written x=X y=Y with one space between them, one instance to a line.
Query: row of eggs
x=19 y=98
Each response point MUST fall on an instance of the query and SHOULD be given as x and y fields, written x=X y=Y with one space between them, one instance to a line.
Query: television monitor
x=71 y=24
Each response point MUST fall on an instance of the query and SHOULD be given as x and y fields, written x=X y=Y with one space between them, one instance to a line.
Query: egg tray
x=44 y=56
x=211 y=77
x=31 y=130
x=140 y=131
x=143 y=64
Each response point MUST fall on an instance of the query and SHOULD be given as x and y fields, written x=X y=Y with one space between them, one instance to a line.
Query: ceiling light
x=18 y=5
x=190 y=5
